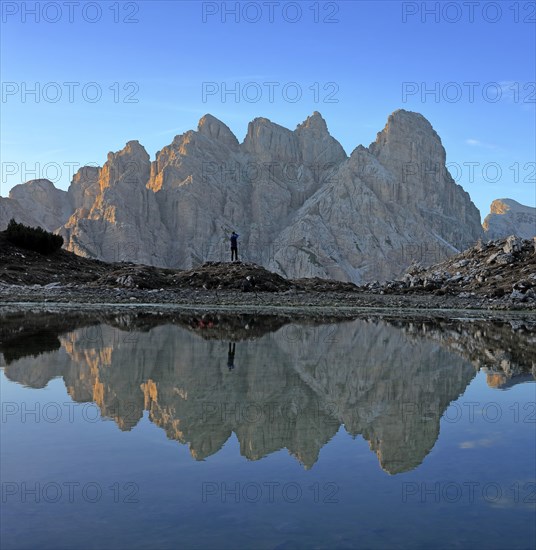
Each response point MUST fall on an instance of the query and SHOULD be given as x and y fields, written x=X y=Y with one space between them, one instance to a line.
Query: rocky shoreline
x=311 y=304
x=495 y=276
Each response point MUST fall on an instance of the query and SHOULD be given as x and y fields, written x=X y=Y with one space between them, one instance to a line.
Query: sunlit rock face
x=508 y=217
x=301 y=205
x=124 y=214
x=292 y=388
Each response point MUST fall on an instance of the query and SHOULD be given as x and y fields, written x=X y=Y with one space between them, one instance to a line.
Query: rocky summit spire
x=317 y=145
x=270 y=140
x=214 y=128
x=314 y=122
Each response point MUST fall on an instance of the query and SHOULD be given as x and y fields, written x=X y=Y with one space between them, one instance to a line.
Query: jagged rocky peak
x=132 y=151
x=318 y=147
x=401 y=117
x=261 y=125
x=509 y=217
x=408 y=137
x=412 y=151
x=133 y=148
x=270 y=140
x=178 y=144
x=214 y=128
x=131 y=165
x=314 y=122
x=85 y=175
x=359 y=150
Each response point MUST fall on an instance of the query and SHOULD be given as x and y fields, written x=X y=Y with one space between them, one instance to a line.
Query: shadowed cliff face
x=292 y=386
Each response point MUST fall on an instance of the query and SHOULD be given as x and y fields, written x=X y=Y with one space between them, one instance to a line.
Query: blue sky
x=355 y=62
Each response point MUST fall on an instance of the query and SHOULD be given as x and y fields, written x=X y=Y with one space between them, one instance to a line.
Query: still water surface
x=249 y=432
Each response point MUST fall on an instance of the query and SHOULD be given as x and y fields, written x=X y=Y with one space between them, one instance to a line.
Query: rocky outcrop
x=301 y=206
x=509 y=217
x=503 y=269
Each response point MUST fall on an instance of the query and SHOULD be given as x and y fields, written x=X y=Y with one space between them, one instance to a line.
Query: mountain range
x=302 y=207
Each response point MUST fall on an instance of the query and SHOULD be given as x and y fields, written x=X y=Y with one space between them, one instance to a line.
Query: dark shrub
x=33 y=238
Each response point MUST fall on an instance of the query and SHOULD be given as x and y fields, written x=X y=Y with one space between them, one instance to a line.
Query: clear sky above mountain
x=160 y=66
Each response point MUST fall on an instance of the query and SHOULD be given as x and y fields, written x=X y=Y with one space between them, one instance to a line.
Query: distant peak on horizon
x=510 y=217
x=500 y=206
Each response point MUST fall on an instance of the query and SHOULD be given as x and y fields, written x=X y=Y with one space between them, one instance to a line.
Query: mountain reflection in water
x=273 y=381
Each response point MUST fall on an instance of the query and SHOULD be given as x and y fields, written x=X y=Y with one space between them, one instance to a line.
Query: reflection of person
x=234 y=246
x=230 y=355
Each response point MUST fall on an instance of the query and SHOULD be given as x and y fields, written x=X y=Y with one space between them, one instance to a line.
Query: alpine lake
x=221 y=431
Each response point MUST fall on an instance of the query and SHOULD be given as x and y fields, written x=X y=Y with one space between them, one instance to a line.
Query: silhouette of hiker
x=234 y=246
x=230 y=355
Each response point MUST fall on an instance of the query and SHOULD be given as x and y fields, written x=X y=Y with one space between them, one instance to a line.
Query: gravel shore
x=303 y=303
x=498 y=276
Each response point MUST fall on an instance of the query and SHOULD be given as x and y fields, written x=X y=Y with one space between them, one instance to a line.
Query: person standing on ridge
x=234 y=246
